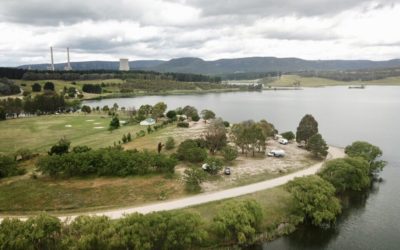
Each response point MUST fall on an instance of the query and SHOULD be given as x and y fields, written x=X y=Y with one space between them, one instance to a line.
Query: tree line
x=7 y=87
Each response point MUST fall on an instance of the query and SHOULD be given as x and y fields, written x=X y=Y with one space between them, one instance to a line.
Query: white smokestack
x=52 y=59
x=68 y=66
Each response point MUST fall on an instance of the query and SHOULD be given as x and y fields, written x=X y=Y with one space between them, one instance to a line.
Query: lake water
x=344 y=115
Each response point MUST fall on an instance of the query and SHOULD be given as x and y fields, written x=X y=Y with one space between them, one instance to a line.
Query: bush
x=171 y=114
x=92 y=88
x=214 y=165
x=36 y=87
x=182 y=124
x=24 y=154
x=114 y=124
x=189 y=150
x=193 y=178
x=230 y=153
x=170 y=143
x=8 y=167
x=239 y=222
x=60 y=148
x=314 y=199
x=106 y=162
x=49 y=86
x=195 y=118
x=81 y=149
x=226 y=124
x=288 y=135
x=369 y=152
x=347 y=174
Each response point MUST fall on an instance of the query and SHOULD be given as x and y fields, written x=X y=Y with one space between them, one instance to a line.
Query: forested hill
x=230 y=66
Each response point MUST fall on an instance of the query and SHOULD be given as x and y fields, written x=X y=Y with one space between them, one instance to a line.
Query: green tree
x=170 y=143
x=62 y=147
x=114 y=124
x=49 y=86
x=171 y=114
x=317 y=145
x=207 y=114
x=308 y=127
x=214 y=165
x=230 y=153
x=190 y=151
x=314 y=199
x=289 y=135
x=369 y=152
x=86 y=109
x=238 y=221
x=3 y=114
x=36 y=87
x=8 y=166
x=159 y=109
x=43 y=231
x=347 y=173
x=193 y=178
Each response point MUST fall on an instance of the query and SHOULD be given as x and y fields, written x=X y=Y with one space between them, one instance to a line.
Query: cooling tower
x=123 y=64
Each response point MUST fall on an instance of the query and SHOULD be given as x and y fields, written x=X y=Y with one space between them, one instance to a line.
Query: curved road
x=334 y=152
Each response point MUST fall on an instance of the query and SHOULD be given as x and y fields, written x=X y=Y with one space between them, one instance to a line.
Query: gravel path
x=334 y=152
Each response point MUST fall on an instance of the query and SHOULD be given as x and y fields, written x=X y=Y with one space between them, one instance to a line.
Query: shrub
x=24 y=154
x=289 y=135
x=8 y=167
x=114 y=124
x=238 y=222
x=36 y=87
x=314 y=199
x=214 y=165
x=230 y=153
x=60 y=148
x=81 y=149
x=49 y=86
x=106 y=162
x=170 y=143
x=347 y=173
x=195 y=118
x=182 y=124
x=226 y=124
x=190 y=151
x=92 y=88
x=193 y=178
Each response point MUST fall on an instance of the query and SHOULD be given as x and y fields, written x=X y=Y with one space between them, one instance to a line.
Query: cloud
x=210 y=29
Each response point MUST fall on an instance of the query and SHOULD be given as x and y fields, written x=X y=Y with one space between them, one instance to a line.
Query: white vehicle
x=276 y=153
x=205 y=166
x=283 y=141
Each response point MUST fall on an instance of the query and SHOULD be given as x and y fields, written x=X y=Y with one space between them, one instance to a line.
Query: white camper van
x=276 y=153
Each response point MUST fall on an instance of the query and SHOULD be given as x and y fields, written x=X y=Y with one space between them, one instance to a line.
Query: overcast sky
x=210 y=29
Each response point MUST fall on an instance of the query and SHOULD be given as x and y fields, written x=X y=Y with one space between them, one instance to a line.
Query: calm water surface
x=344 y=115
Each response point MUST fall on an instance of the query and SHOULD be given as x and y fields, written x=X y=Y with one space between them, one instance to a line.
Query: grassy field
x=41 y=132
x=288 y=80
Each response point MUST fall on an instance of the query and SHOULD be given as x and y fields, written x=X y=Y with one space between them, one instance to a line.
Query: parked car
x=276 y=153
x=227 y=171
x=283 y=141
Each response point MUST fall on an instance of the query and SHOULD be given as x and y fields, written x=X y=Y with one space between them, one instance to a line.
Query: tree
x=145 y=110
x=170 y=143
x=214 y=165
x=249 y=136
x=36 y=87
x=159 y=109
x=8 y=167
x=106 y=108
x=216 y=135
x=49 y=86
x=86 y=109
x=43 y=231
x=3 y=114
x=62 y=147
x=347 y=173
x=207 y=114
x=114 y=124
x=193 y=178
x=238 y=221
x=369 y=152
x=314 y=199
x=190 y=151
x=230 y=153
x=171 y=115
x=81 y=149
x=308 y=127
x=317 y=145
x=267 y=128
x=191 y=112
x=289 y=135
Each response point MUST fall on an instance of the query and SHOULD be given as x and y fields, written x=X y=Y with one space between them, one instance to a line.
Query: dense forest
x=14 y=73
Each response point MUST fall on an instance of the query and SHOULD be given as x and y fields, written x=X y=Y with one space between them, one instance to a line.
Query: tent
x=147 y=122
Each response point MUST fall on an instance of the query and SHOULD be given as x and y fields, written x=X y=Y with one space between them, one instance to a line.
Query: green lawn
x=41 y=132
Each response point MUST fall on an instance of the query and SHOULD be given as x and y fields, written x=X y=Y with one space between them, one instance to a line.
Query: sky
x=209 y=29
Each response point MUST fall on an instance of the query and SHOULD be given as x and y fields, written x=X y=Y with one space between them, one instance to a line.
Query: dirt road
x=212 y=196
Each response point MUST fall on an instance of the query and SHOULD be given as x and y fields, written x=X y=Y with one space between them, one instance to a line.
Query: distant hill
x=231 y=66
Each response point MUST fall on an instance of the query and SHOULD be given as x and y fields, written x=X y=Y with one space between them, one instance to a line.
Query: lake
x=344 y=115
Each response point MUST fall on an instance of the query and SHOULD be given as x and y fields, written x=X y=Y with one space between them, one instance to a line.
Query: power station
x=123 y=64
x=51 y=67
